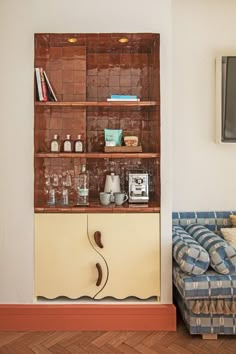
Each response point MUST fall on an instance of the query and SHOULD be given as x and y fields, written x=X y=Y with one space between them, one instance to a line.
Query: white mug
x=105 y=198
x=120 y=198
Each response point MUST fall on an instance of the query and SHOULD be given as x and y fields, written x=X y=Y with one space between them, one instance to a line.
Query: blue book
x=124 y=96
x=123 y=99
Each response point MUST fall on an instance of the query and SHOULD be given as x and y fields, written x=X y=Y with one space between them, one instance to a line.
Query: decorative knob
x=97 y=238
x=99 y=269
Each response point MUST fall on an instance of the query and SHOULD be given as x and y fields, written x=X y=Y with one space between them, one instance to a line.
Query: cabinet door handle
x=97 y=239
x=99 y=269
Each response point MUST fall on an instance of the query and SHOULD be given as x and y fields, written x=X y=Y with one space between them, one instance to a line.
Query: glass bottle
x=67 y=144
x=51 y=196
x=55 y=144
x=79 y=144
x=83 y=187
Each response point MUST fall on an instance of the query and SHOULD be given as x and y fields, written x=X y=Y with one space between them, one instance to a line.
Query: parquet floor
x=113 y=342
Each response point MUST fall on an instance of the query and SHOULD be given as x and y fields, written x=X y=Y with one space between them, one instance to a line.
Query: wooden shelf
x=98 y=104
x=98 y=155
x=96 y=207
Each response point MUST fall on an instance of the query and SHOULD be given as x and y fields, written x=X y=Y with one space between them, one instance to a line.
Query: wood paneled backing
x=91 y=124
x=98 y=169
x=154 y=71
x=69 y=67
x=117 y=74
x=66 y=70
x=61 y=121
x=132 y=121
x=93 y=68
x=154 y=87
x=99 y=42
x=154 y=133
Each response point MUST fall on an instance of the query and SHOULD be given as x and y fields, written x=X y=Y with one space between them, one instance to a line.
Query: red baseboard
x=87 y=317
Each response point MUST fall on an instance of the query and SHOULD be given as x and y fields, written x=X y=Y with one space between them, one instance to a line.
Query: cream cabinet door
x=131 y=248
x=65 y=261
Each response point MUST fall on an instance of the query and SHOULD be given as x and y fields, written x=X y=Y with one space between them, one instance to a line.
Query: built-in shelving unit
x=83 y=74
x=97 y=252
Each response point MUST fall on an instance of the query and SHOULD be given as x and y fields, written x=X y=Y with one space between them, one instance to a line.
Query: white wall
x=19 y=20
x=204 y=173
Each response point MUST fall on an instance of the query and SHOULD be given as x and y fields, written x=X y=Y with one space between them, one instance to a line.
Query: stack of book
x=44 y=88
x=128 y=98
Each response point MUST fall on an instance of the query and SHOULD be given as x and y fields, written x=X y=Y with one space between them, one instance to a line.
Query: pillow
x=233 y=220
x=190 y=256
x=222 y=255
x=229 y=235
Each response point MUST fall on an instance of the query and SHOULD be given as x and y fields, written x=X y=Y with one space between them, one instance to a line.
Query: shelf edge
x=143 y=155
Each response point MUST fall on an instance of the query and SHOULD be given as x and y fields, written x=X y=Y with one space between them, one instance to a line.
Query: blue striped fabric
x=209 y=285
x=222 y=255
x=213 y=220
x=190 y=255
x=205 y=323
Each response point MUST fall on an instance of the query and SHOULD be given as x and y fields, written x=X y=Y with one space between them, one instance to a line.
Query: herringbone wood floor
x=113 y=342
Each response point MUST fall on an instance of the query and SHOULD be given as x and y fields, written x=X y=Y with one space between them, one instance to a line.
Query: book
x=50 y=89
x=124 y=96
x=123 y=99
x=43 y=83
x=39 y=85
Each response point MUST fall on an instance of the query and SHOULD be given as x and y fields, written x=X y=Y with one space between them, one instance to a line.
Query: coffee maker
x=138 y=188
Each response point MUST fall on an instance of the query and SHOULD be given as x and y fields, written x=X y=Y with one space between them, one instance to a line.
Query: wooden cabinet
x=67 y=254
x=65 y=261
x=131 y=248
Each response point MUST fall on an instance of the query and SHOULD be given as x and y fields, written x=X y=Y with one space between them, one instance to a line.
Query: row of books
x=44 y=88
x=131 y=98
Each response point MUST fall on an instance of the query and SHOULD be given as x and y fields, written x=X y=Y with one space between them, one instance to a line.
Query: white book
x=39 y=85
x=123 y=99
x=50 y=87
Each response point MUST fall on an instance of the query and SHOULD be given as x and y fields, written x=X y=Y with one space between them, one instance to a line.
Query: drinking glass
x=49 y=189
x=66 y=186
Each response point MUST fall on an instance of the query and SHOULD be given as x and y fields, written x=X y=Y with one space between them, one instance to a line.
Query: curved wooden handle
x=97 y=239
x=99 y=269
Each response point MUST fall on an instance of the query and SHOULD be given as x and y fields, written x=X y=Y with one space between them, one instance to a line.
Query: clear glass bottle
x=55 y=144
x=83 y=187
x=67 y=144
x=79 y=144
x=51 y=196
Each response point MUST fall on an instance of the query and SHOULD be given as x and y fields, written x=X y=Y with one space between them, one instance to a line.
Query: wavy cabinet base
x=97 y=255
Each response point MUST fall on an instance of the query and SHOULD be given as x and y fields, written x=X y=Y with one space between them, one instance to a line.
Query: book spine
x=123 y=99
x=39 y=86
x=50 y=89
x=43 y=83
x=124 y=96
